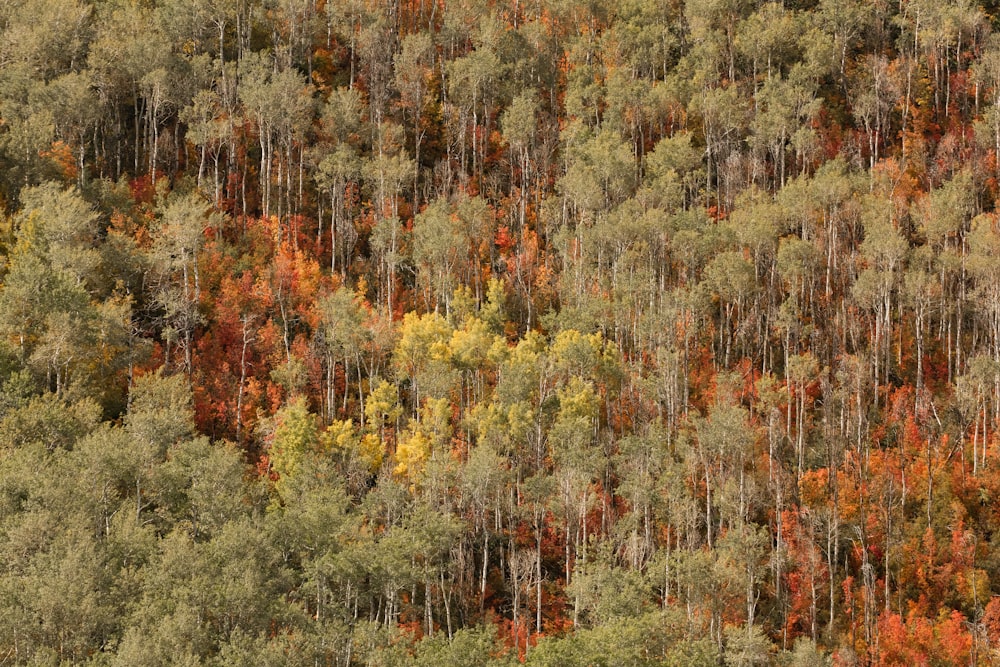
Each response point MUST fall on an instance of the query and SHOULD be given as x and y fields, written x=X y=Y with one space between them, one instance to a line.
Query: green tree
x=343 y=338
x=176 y=252
x=280 y=102
x=438 y=242
x=201 y=487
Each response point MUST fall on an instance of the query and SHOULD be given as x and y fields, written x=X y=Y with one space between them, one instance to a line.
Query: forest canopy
x=461 y=332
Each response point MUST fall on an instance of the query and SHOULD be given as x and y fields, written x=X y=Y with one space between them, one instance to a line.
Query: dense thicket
x=467 y=333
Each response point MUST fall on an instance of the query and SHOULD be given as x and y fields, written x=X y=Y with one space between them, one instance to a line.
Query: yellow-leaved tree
x=424 y=439
x=296 y=435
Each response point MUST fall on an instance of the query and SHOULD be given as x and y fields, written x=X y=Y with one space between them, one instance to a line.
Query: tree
x=281 y=104
x=296 y=436
x=202 y=487
x=335 y=174
x=438 y=240
x=208 y=129
x=422 y=356
x=74 y=106
x=731 y=278
x=472 y=86
x=518 y=122
x=788 y=106
x=885 y=249
x=53 y=294
x=342 y=316
x=414 y=67
x=724 y=119
x=387 y=172
x=874 y=95
x=160 y=412
x=177 y=248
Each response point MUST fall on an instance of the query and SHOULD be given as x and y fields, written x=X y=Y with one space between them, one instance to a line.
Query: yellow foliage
x=499 y=352
x=434 y=419
x=462 y=302
x=340 y=436
x=973 y=584
x=502 y=425
x=382 y=405
x=470 y=346
x=492 y=310
x=28 y=236
x=489 y=420
x=527 y=352
x=573 y=351
x=412 y=453
x=439 y=351
x=421 y=439
x=371 y=451
x=576 y=354
x=423 y=339
x=295 y=436
x=578 y=400
x=520 y=419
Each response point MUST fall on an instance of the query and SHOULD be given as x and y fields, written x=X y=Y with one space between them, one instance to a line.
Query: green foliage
x=655 y=638
x=202 y=487
x=49 y=421
x=160 y=412
x=469 y=647
x=746 y=647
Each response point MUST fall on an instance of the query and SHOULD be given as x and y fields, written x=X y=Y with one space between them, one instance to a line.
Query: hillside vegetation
x=458 y=332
